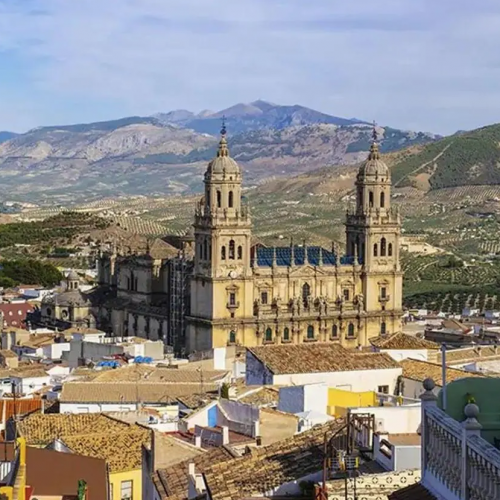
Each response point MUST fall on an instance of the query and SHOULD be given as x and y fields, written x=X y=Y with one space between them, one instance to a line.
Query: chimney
x=258 y=440
x=225 y=435
x=256 y=428
x=197 y=441
x=191 y=469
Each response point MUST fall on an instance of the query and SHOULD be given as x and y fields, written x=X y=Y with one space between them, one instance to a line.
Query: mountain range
x=167 y=153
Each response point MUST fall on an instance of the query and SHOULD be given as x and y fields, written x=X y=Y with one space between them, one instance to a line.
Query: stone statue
x=361 y=302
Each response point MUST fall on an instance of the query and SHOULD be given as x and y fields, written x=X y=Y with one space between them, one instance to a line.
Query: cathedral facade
x=254 y=295
x=214 y=288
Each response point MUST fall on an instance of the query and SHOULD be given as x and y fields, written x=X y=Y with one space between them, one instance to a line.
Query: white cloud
x=426 y=65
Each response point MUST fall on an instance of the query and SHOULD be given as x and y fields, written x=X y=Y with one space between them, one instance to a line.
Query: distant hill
x=256 y=115
x=148 y=156
x=469 y=158
x=5 y=136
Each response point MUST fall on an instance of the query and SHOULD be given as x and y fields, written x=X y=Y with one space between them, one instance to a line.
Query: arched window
x=389 y=249
x=219 y=199
x=232 y=337
x=306 y=292
x=286 y=334
x=230 y=199
x=383 y=328
x=231 y=249
x=370 y=199
x=240 y=252
x=269 y=334
x=310 y=332
x=382 y=200
x=223 y=253
x=375 y=250
x=383 y=247
x=335 y=331
x=205 y=249
x=350 y=330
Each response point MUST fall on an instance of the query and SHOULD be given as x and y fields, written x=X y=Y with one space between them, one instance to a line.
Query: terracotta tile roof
x=401 y=340
x=138 y=372
x=471 y=353
x=318 y=358
x=128 y=392
x=169 y=450
x=121 y=450
x=265 y=468
x=195 y=401
x=420 y=370
x=263 y=396
x=83 y=331
x=173 y=481
x=412 y=492
x=41 y=429
x=23 y=371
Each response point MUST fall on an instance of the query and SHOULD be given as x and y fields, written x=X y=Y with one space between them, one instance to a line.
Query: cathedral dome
x=374 y=166
x=223 y=163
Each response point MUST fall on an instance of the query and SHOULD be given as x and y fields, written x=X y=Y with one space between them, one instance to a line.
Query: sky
x=430 y=65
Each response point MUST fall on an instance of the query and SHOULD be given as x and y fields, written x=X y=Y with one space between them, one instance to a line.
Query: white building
x=330 y=364
x=30 y=381
x=401 y=346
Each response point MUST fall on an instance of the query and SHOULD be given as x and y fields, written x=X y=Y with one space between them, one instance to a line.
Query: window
x=346 y=294
x=269 y=335
x=383 y=247
x=230 y=199
x=223 y=253
x=389 y=250
x=383 y=328
x=232 y=299
x=286 y=334
x=219 y=199
x=384 y=389
x=350 y=330
x=264 y=297
x=126 y=490
x=231 y=249
x=205 y=249
x=310 y=332
x=375 y=250
x=306 y=292
x=240 y=252
x=370 y=199
x=335 y=331
x=383 y=292
x=382 y=200
x=232 y=337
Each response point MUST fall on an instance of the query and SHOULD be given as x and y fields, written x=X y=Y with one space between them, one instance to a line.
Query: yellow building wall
x=339 y=401
x=116 y=479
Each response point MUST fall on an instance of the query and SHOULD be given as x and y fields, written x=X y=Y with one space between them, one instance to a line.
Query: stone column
x=428 y=399
x=470 y=427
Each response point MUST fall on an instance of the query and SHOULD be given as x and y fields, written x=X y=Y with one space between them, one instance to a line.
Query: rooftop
x=83 y=331
x=412 y=492
x=263 y=396
x=128 y=392
x=405 y=439
x=168 y=450
x=122 y=449
x=41 y=429
x=138 y=373
x=265 y=256
x=173 y=481
x=401 y=340
x=24 y=371
x=318 y=358
x=471 y=353
x=263 y=469
x=420 y=370
x=7 y=353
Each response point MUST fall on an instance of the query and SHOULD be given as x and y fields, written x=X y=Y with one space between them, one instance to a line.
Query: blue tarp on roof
x=284 y=256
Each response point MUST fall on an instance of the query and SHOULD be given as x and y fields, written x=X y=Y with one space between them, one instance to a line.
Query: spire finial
x=306 y=257
x=223 y=149
x=374 y=151
x=292 y=252
x=275 y=258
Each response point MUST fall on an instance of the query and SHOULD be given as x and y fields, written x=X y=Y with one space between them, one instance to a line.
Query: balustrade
x=456 y=461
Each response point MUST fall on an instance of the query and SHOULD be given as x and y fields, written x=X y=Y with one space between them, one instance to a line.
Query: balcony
x=457 y=462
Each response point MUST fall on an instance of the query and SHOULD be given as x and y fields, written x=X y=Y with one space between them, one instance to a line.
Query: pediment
x=305 y=271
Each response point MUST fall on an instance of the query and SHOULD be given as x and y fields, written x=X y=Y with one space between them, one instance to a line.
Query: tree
x=224 y=391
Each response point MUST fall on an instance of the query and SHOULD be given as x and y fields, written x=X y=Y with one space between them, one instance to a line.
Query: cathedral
x=215 y=288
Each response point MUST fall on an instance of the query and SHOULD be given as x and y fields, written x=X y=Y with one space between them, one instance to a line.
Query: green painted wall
x=486 y=393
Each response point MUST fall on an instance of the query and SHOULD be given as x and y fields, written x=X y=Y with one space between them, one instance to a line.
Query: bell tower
x=372 y=232
x=221 y=286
